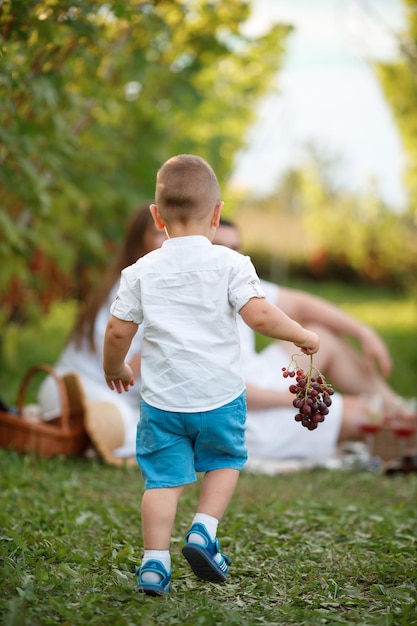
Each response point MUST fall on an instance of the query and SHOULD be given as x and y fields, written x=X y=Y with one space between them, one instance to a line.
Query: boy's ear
x=157 y=217
x=216 y=214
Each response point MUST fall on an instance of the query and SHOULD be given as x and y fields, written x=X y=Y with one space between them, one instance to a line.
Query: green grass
x=314 y=548
x=29 y=345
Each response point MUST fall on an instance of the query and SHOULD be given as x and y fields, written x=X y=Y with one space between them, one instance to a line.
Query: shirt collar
x=190 y=240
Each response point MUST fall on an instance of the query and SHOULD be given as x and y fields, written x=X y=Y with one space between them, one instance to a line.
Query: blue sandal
x=151 y=588
x=201 y=557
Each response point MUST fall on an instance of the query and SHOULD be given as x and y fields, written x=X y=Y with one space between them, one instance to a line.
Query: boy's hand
x=121 y=380
x=311 y=343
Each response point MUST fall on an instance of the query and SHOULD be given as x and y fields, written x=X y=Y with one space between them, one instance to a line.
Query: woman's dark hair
x=130 y=250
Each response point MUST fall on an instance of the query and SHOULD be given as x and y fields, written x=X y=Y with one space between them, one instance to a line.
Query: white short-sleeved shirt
x=187 y=295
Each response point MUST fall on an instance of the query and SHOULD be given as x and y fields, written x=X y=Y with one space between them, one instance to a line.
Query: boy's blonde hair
x=186 y=188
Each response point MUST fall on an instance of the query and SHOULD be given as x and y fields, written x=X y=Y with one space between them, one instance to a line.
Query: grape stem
x=309 y=372
x=308 y=377
x=312 y=367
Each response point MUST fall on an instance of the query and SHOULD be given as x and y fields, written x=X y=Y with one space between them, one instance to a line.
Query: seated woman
x=83 y=352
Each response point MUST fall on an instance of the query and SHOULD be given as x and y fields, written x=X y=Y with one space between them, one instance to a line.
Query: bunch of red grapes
x=312 y=394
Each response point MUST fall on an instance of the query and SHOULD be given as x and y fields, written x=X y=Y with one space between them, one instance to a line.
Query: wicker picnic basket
x=387 y=447
x=64 y=435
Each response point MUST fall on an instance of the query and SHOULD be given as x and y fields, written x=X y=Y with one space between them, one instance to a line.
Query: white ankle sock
x=160 y=555
x=211 y=523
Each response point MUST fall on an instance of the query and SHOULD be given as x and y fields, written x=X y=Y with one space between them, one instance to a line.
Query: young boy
x=192 y=411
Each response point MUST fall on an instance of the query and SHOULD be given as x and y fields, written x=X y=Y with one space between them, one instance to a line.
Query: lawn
x=319 y=547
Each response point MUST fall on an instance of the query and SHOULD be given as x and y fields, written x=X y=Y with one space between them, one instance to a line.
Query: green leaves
x=399 y=83
x=94 y=97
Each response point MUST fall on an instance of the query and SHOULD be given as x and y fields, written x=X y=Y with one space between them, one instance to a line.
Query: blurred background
x=306 y=111
x=329 y=95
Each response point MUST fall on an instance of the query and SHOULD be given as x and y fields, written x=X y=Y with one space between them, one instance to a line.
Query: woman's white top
x=89 y=364
x=89 y=367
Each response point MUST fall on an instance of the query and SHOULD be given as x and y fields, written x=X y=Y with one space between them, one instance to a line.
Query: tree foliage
x=94 y=97
x=357 y=235
x=312 y=226
x=399 y=82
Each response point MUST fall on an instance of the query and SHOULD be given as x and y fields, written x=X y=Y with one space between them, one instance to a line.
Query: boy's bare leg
x=201 y=550
x=159 y=507
x=216 y=491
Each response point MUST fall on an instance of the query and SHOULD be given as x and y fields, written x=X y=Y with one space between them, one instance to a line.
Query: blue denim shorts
x=171 y=447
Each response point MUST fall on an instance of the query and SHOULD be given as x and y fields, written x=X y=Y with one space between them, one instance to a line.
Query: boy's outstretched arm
x=267 y=319
x=117 y=340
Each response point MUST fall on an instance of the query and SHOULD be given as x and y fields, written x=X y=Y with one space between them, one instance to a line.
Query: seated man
x=272 y=432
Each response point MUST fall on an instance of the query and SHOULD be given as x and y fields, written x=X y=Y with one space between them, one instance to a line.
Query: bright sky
x=328 y=94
